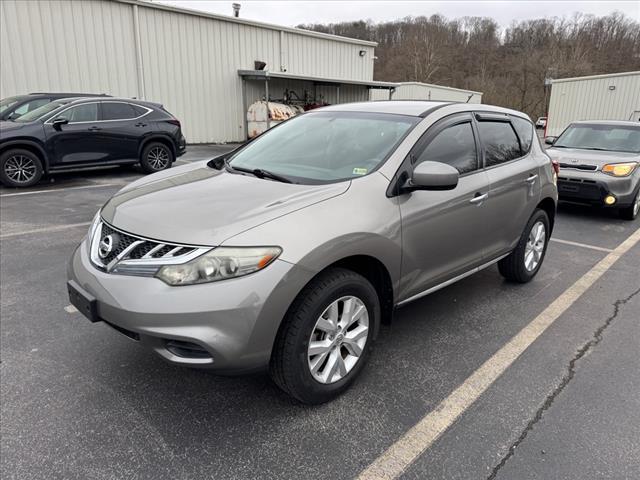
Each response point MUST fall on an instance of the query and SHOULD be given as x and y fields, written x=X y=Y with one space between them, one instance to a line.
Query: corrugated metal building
x=597 y=97
x=427 y=91
x=189 y=61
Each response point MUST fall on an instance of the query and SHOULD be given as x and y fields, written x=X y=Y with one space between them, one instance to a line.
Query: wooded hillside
x=508 y=65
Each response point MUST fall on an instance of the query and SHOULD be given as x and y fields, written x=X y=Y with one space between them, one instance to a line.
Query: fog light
x=610 y=200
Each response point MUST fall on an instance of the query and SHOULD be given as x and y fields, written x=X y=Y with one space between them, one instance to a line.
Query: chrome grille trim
x=125 y=263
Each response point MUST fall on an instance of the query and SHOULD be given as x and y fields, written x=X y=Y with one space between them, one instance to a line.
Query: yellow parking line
x=421 y=436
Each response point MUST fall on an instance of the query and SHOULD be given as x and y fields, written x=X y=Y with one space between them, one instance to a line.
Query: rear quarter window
x=524 y=129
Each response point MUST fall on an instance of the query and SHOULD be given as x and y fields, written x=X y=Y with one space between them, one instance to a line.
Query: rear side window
x=524 y=129
x=454 y=146
x=499 y=142
x=117 y=111
x=139 y=110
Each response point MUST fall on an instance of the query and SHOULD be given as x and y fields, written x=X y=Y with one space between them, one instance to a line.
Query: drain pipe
x=138 y=46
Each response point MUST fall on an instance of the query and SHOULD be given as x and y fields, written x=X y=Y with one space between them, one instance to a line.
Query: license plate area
x=83 y=301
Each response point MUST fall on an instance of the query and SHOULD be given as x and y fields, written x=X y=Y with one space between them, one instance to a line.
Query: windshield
x=8 y=102
x=323 y=147
x=39 y=112
x=617 y=138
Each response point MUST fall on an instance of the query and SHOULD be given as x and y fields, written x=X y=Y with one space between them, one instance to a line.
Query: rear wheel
x=631 y=212
x=525 y=260
x=20 y=168
x=326 y=336
x=155 y=157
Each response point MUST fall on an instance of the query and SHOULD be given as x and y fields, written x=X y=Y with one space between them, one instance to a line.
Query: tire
x=156 y=156
x=631 y=212
x=515 y=267
x=20 y=168
x=291 y=361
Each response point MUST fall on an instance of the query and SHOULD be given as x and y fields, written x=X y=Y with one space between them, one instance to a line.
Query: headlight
x=219 y=264
x=93 y=227
x=619 y=169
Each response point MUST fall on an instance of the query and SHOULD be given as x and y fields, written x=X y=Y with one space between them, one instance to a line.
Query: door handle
x=140 y=124
x=531 y=179
x=479 y=198
x=94 y=129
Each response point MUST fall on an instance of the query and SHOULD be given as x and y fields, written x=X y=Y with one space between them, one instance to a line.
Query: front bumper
x=594 y=187
x=229 y=326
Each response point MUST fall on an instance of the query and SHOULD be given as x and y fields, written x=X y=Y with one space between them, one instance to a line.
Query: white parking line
x=97 y=185
x=421 y=436
x=583 y=245
x=54 y=228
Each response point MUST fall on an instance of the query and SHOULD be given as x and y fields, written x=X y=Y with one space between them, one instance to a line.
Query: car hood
x=577 y=156
x=198 y=205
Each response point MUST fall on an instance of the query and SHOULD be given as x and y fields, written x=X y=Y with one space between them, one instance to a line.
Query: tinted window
x=499 y=142
x=82 y=113
x=620 y=138
x=139 y=110
x=454 y=146
x=524 y=129
x=320 y=147
x=117 y=111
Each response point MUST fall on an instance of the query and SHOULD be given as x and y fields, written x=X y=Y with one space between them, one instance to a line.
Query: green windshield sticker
x=360 y=171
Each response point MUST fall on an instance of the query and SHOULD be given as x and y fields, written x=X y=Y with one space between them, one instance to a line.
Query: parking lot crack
x=571 y=371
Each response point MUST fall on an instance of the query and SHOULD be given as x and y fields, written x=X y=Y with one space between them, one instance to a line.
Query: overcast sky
x=293 y=13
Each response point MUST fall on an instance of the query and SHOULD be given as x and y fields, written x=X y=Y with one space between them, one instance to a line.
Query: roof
x=620 y=123
x=267 y=75
x=432 y=85
x=244 y=21
x=414 y=108
x=594 y=77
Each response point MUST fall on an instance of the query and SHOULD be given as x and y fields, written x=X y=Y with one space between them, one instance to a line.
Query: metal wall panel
x=425 y=91
x=189 y=62
x=591 y=98
x=65 y=45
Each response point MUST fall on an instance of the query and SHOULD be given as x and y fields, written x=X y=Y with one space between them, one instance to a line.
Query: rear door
x=513 y=174
x=122 y=128
x=444 y=233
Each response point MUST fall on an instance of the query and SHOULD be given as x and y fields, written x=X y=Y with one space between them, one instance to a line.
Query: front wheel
x=155 y=157
x=631 y=212
x=525 y=260
x=326 y=336
x=20 y=168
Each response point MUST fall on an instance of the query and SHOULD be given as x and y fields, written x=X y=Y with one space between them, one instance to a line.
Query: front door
x=444 y=232
x=78 y=141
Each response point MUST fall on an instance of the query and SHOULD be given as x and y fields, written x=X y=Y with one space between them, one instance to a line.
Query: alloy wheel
x=535 y=246
x=636 y=205
x=20 y=169
x=158 y=158
x=338 y=339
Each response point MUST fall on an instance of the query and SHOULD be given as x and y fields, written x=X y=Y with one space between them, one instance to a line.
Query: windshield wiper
x=261 y=173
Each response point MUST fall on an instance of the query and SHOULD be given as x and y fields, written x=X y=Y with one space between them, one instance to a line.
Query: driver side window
x=455 y=146
x=87 y=112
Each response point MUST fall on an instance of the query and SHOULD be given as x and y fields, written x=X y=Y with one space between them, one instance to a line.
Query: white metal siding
x=67 y=46
x=190 y=62
x=591 y=99
x=425 y=91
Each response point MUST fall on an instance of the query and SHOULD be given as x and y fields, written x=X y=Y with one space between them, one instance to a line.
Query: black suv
x=88 y=132
x=14 y=107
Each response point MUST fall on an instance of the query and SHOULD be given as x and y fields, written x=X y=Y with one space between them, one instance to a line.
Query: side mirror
x=433 y=176
x=58 y=122
x=13 y=116
x=550 y=140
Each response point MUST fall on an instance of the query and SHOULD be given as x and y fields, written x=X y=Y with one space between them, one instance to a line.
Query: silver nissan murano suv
x=287 y=253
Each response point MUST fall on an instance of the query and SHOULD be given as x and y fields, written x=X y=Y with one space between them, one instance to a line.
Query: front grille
x=582 y=166
x=580 y=189
x=119 y=252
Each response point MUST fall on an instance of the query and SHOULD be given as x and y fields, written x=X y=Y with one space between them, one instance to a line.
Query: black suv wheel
x=20 y=168
x=155 y=157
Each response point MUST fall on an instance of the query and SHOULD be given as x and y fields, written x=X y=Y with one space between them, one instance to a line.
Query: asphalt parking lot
x=78 y=400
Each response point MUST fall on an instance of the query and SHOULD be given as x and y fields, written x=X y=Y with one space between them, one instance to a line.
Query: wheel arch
x=164 y=139
x=549 y=206
x=29 y=145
